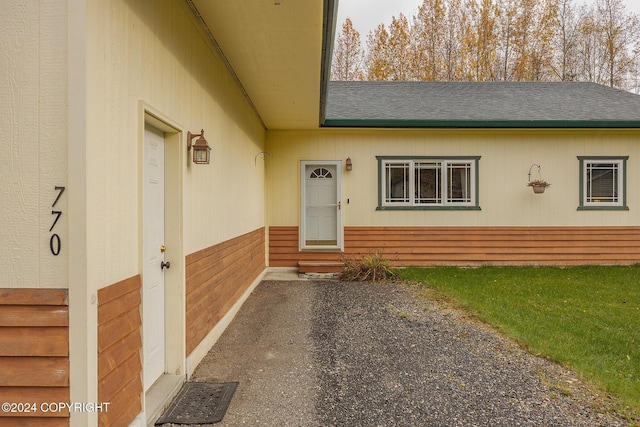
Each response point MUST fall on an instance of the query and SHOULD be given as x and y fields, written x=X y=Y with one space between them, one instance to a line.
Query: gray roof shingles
x=486 y=104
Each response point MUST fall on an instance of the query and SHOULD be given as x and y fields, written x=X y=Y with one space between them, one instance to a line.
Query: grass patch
x=586 y=318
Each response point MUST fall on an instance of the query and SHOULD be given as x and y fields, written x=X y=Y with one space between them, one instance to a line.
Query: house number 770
x=54 y=242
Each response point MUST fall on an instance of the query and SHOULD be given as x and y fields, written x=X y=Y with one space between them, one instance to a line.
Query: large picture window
x=602 y=183
x=428 y=182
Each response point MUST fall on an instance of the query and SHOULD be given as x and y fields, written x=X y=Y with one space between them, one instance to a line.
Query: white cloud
x=366 y=15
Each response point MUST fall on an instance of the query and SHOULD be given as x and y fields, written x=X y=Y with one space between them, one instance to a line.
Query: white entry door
x=153 y=256
x=321 y=219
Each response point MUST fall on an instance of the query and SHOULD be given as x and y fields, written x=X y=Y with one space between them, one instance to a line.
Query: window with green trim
x=603 y=182
x=427 y=182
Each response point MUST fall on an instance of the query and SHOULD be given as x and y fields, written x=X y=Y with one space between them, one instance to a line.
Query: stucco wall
x=33 y=154
x=160 y=56
x=506 y=156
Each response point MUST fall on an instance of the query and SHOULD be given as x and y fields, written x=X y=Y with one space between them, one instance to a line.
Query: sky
x=367 y=14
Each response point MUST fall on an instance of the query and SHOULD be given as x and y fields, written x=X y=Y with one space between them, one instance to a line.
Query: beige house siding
x=499 y=233
x=155 y=64
x=81 y=78
x=33 y=158
x=34 y=302
x=505 y=159
x=160 y=56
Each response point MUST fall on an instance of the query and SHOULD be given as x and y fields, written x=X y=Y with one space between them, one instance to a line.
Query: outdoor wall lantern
x=201 y=149
x=349 y=164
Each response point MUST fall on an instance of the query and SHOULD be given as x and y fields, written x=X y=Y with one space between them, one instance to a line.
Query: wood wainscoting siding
x=284 y=249
x=119 y=352
x=216 y=278
x=34 y=354
x=471 y=246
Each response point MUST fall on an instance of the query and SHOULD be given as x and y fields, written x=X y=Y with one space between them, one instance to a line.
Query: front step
x=306 y=267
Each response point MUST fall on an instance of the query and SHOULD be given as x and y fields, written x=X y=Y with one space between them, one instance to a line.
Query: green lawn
x=586 y=318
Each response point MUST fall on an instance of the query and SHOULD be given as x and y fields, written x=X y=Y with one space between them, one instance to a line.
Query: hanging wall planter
x=538 y=184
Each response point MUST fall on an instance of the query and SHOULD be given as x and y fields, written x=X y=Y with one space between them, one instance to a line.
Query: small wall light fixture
x=201 y=149
x=348 y=164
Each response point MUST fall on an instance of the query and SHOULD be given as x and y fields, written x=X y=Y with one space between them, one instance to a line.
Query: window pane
x=459 y=182
x=397 y=182
x=321 y=173
x=428 y=182
x=602 y=182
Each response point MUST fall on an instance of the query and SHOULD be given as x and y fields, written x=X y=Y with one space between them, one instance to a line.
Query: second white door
x=153 y=290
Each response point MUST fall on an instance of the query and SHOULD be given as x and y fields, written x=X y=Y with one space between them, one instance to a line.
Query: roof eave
x=482 y=124
x=330 y=18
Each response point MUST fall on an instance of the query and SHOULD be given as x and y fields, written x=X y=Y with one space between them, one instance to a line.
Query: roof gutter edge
x=482 y=124
x=329 y=20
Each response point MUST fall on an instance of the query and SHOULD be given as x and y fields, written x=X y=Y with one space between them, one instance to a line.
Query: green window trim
x=412 y=206
x=621 y=204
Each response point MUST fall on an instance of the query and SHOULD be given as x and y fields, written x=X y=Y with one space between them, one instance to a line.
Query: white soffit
x=276 y=52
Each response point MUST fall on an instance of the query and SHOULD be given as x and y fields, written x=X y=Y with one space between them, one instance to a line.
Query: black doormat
x=199 y=403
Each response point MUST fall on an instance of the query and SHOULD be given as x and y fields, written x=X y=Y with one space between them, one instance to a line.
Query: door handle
x=339 y=205
x=164 y=265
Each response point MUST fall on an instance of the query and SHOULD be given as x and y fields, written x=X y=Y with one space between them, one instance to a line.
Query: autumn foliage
x=498 y=40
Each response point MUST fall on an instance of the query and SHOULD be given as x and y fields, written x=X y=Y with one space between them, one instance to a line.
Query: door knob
x=164 y=265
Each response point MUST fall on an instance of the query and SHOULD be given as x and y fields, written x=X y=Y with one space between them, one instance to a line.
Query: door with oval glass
x=321 y=205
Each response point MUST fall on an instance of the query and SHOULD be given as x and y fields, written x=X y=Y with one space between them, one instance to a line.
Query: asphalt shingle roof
x=486 y=104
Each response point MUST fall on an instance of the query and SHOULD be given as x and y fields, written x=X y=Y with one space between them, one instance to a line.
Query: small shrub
x=372 y=267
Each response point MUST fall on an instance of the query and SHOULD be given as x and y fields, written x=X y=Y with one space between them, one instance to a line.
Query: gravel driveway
x=326 y=353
